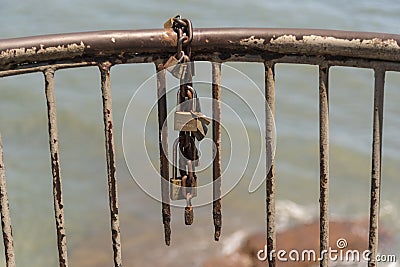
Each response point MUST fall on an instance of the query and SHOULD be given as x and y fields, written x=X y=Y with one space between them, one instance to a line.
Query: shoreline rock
x=301 y=237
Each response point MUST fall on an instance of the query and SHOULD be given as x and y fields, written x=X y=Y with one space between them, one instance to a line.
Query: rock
x=236 y=259
x=299 y=238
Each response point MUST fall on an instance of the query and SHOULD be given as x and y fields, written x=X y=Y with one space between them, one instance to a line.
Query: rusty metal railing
x=325 y=48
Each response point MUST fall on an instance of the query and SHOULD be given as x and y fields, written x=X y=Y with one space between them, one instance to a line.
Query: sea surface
x=23 y=125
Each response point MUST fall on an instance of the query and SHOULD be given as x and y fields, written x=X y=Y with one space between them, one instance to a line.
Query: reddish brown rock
x=237 y=259
x=299 y=238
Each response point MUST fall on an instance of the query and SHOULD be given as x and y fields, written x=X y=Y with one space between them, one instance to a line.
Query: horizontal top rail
x=219 y=44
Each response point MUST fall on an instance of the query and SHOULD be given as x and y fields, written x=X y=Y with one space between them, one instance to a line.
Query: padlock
x=178 y=186
x=191 y=119
x=202 y=122
x=177 y=65
x=189 y=215
x=175 y=189
x=169 y=23
x=184 y=120
x=176 y=182
x=174 y=60
x=179 y=71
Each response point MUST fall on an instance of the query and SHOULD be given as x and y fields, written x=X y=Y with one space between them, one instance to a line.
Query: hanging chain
x=187 y=146
x=188 y=120
x=184 y=31
x=182 y=68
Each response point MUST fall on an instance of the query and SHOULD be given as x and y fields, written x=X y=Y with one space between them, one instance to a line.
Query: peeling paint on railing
x=249 y=44
x=323 y=41
x=324 y=48
x=38 y=53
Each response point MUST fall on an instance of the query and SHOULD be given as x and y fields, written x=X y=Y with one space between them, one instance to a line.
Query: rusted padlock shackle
x=189 y=216
x=194 y=94
x=175 y=158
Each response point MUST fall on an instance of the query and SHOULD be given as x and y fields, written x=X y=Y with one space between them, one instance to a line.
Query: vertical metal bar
x=55 y=167
x=163 y=147
x=216 y=114
x=376 y=165
x=270 y=183
x=324 y=162
x=5 y=214
x=111 y=165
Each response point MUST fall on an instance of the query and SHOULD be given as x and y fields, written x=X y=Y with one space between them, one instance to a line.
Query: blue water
x=23 y=125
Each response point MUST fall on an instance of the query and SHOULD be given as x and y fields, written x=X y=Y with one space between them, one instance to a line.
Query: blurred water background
x=23 y=125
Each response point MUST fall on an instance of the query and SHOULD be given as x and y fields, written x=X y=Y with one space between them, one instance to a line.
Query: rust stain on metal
x=55 y=167
x=316 y=40
x=163 y=143
x=270 y=182
x=230 y=44
x=252 y=41
x=168 y=37
x=111 y=163
x=323 y=45
x=327 y=41
x=216 y=126
x=324 y=161
x=376 y=166
x=74 y=49
x=6 y=225
x=271 y=46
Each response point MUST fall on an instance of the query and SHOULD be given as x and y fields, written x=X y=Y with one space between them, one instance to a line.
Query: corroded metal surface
x=111 y=164
x=216 y=126
x=270 y=181
x=163 y=145
x=256 y=44
x=376 y=165
x=324 y=48
x=55 y=167
x=6 y=226
x=324 y=162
